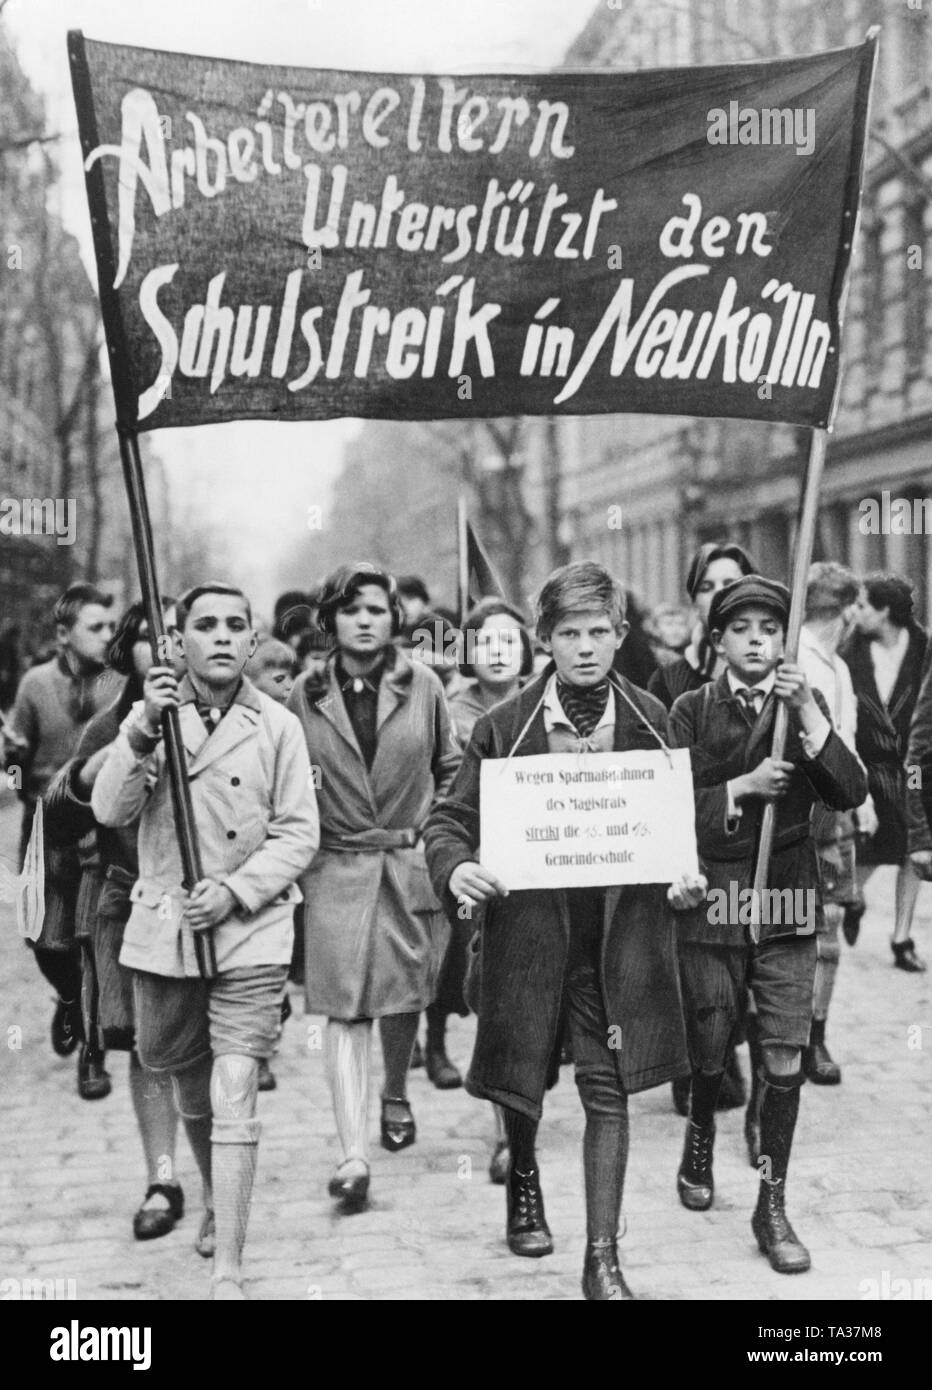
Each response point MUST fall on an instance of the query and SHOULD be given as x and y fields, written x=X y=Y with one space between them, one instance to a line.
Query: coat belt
x=372 y=840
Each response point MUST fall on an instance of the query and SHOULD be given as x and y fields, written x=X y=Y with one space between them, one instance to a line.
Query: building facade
x=678 y=480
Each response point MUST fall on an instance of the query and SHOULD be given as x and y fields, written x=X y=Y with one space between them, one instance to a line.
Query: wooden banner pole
x=815 y=467
x=801 y=561
x=462 y=558
x=126 y=396
x=171 y=724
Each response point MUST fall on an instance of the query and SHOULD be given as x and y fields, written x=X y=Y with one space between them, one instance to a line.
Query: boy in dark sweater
x=728 y=727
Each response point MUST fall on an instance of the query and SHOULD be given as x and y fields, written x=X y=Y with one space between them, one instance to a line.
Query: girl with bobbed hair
x=380 y=744
x=496 y=657
x=714 y=565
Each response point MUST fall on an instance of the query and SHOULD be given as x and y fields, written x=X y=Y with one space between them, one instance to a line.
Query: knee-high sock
x=62 y=969
x=703 y=1096
x=192 y=1101
x=828 y=954
x=234 y=1171
x=756 y=1056
x=157 y=1119
x=234 y=1154
x=605 y=1152
x=90 y=1001
x=779 y=1108
x=398 y=1032
x=436 y=1027
x=347 y=1057
x=521 y=1133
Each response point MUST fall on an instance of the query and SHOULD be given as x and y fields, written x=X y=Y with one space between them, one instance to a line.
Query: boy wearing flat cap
x=728 y=726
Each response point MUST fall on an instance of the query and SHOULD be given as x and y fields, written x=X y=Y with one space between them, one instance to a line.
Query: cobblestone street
x=71 y=1171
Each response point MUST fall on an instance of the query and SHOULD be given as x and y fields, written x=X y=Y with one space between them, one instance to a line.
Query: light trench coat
x=375 y=934
x=256 y=819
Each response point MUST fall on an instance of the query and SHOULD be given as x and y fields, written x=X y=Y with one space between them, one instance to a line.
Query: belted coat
x=375 y=933
x=525 y=936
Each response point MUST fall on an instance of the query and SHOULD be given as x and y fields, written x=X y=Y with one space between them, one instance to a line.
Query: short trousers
x=180 y=1021
x=779 y=973
x=837 y=855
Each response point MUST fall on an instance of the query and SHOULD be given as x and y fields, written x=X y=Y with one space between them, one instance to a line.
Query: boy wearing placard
x=608 y=952
x=728 y=727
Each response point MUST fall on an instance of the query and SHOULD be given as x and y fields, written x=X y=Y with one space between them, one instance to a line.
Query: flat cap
x=751 y=591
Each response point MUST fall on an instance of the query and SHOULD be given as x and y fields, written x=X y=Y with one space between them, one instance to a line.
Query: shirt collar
x=369 y=682
x=810 y=641
x=766 y=685
x=247 y=694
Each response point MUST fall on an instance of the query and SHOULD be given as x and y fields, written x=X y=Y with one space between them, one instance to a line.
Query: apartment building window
x=916 y=286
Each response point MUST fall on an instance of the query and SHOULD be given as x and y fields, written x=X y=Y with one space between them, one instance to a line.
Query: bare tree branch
x=913 y=170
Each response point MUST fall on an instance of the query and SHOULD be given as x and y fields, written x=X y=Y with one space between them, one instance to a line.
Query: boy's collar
x=735 y=683
x=246 y=694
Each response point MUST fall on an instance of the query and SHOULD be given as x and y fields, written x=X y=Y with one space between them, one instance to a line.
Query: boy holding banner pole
x=727 y=727
x=608 y=951
x=255 y=813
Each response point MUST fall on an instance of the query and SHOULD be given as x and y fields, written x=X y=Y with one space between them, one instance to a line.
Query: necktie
x=752 y=698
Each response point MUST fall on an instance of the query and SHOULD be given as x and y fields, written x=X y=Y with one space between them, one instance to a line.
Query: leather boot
x=694 y=1180
x=775 y=1236
x=602 y=1279
x=817 y=1060
x=93 y=1078
x=527 y=1230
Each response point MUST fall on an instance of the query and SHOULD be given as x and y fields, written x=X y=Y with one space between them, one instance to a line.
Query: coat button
x=231 y=834
x=234 y=781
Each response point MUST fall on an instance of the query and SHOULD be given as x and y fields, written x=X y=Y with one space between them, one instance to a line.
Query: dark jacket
x=68 y=815
x=883 y=739
x=525 y=937
x=919 y=765
x=668 y=683
x=108 y=855
x=713 y=725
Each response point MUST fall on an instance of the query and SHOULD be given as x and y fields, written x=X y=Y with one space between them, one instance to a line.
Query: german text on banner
x=582 y=820
x=300 y=244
